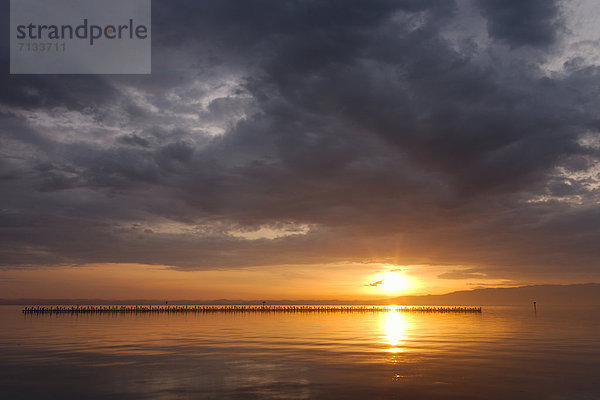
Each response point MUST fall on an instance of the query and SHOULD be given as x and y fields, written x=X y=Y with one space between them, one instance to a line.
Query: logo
x=80 y=37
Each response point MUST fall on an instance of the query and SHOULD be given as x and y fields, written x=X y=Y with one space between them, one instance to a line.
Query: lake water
x=502 y=353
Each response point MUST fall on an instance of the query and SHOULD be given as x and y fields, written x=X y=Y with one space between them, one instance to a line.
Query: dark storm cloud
x=522 y=23
x=43 y=91
x=356 y=130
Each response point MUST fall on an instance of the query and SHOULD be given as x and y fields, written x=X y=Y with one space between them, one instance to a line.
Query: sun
x=393 y=282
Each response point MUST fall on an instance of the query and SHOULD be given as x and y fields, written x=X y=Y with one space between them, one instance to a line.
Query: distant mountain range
x=579 y=294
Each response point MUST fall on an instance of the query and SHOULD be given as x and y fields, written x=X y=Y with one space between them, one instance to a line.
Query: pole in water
x=535 y=306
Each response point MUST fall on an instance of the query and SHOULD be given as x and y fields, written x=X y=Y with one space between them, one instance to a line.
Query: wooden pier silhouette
x=134 y=309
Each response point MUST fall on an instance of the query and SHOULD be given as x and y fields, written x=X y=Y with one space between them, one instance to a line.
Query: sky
x=311 y=149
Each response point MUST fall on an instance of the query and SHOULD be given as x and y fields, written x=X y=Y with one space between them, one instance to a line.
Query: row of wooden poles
x=240 y=308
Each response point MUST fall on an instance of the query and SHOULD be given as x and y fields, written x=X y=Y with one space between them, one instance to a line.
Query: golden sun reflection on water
x=394 y=326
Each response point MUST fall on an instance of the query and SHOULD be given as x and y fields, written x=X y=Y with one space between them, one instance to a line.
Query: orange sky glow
x=138 y=281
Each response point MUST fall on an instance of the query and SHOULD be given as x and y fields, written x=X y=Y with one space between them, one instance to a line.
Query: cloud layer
x=384 y=131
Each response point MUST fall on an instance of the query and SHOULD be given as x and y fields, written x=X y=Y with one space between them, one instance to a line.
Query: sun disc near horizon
x=393 y=282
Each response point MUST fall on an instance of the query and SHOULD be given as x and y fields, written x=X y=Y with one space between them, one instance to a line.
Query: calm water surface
x=502 y=353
